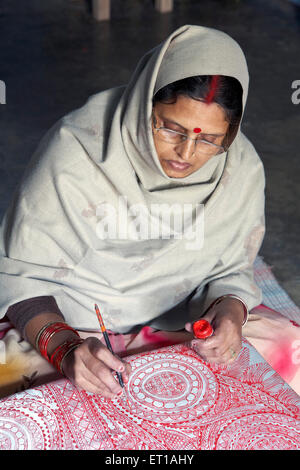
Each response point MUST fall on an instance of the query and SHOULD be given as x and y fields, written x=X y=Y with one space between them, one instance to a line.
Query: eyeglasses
x=174 y=137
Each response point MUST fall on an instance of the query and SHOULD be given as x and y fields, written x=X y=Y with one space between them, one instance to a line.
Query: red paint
x=202 y=329
x=213 y=89
x=197 y=130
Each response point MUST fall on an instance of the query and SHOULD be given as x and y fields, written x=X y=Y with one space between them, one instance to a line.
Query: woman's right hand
x=90 y=367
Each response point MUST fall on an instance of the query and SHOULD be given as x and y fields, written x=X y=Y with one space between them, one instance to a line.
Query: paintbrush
x=108 y=344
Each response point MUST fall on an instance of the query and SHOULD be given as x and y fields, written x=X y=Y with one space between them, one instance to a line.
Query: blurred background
x=54 y=54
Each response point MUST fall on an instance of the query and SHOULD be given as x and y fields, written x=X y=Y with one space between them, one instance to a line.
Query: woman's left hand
x=226 y=319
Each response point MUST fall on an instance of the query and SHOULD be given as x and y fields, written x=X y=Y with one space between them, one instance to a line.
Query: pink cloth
x=277 y=339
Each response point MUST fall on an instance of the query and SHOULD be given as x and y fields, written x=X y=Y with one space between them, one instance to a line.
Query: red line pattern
x=177 y=401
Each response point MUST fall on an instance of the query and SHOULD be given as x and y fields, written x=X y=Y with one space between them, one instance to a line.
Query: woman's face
x=187 y=115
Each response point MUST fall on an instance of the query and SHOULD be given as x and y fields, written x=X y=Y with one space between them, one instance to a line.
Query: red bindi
x=197 y=130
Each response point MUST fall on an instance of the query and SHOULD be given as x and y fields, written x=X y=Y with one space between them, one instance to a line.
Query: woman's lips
x=178 y=166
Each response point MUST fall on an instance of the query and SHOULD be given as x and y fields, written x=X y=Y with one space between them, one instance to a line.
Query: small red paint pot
x=202 y=329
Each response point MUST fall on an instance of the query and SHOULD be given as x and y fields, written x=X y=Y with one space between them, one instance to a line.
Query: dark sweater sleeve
x=20 y=313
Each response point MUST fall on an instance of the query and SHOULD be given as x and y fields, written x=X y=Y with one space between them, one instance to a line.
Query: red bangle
x=61 y=351
x=48 y=333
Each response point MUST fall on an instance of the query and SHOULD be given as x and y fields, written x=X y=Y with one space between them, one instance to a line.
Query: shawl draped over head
x=100 y=160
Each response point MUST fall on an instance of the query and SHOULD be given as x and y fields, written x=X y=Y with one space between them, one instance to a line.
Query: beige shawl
x=99 y=163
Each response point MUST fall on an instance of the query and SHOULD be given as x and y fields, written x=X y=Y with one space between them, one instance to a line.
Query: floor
x=53 y=55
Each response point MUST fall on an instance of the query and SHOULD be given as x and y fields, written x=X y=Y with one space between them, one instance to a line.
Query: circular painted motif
x=164 y=388
x=26 y=423
x=16 y=435
x=262 y=431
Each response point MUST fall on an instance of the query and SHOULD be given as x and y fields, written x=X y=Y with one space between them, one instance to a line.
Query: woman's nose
x=186 y=149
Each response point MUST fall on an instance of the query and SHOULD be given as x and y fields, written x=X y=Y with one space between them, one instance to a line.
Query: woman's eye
x=170 y=127
x=173 y=135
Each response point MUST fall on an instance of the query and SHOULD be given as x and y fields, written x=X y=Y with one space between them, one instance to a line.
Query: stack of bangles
x=59 y=354
x=219 y=299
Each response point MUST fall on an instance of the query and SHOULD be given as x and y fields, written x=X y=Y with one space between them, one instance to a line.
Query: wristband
x=48 y=332
x=62 y=351
x=37 y=339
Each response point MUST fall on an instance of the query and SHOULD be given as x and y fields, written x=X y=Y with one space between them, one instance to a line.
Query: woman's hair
x=225 y=91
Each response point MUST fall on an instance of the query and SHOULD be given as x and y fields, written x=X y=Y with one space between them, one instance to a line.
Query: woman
x=171 y=136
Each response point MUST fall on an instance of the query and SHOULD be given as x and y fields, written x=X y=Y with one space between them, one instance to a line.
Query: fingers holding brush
x=91 y=364
x=90 y=367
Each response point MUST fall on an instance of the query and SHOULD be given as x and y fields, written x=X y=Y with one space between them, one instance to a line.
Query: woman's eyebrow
x=184 y=129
